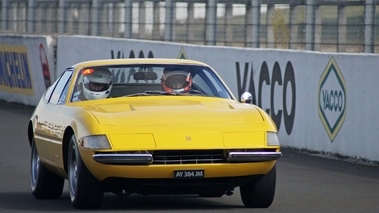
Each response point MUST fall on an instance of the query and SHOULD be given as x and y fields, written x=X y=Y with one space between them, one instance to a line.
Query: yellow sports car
x=150 y=126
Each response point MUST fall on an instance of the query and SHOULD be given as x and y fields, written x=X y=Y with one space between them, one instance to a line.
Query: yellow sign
x=15 y=72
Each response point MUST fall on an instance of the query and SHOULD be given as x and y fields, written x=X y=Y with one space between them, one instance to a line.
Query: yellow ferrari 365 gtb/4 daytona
x=150 y=126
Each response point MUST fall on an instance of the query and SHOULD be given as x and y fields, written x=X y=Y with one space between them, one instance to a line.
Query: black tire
x=44 y=184
x=86 y=191
x=260 y=192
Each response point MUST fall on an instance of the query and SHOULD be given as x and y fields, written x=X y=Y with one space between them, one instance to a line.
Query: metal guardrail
x=315 y=25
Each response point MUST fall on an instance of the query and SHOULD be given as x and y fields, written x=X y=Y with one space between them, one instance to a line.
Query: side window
x=63 y=97
x=49 y=91
x=61 y=88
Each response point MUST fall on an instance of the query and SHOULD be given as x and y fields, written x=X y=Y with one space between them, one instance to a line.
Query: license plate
x=188 y=174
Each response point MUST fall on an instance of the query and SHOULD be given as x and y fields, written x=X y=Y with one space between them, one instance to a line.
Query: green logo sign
x=182 y=54
x=332 y=99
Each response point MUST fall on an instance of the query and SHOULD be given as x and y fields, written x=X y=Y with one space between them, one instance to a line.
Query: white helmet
x=97 y=83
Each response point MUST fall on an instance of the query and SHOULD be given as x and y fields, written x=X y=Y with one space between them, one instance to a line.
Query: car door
x=49 y=127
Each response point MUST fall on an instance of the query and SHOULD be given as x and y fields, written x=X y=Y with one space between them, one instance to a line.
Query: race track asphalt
x=305 y=183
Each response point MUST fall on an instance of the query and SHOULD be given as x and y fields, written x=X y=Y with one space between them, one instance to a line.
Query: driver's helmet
x=176 y=81
x=97 y=83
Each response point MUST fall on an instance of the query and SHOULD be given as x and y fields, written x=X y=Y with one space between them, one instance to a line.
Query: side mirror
x=246 y=97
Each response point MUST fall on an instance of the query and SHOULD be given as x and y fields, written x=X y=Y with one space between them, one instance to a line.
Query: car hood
x=176 y=111
x=200 y=123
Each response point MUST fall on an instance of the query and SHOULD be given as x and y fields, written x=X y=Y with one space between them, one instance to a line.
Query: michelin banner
x=25 y=72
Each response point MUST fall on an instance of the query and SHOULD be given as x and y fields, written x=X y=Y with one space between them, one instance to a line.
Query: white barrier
x=322 y=102
x=25 y=65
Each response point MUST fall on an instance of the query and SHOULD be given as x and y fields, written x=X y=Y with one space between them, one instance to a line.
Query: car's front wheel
x=44 y=184
x=260 y=192
x=85 y=190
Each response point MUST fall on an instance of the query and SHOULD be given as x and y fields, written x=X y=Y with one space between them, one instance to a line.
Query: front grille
x=189 y=157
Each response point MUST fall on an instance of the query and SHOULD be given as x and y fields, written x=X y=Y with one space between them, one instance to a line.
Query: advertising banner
x=320 y=102
x=25 y=68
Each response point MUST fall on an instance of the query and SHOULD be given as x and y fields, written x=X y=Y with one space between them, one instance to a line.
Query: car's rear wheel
x=260 y=192
x=86 y=191
x=44 y=184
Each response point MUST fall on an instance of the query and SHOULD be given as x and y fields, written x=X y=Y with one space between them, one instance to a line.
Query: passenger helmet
x=176 y=81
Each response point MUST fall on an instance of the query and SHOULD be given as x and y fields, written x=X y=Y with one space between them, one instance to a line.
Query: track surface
x=305 y=183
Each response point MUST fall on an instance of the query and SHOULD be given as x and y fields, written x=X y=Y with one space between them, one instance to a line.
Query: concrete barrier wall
x=321 y=102
x=26 y=67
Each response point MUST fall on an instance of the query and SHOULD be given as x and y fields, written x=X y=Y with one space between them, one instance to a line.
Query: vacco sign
x=332 y=99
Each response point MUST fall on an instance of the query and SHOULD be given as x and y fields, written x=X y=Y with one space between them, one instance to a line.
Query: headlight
x=272 y=139
x=95 y=142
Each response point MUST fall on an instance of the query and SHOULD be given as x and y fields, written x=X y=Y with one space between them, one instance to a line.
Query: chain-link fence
x=323 y=25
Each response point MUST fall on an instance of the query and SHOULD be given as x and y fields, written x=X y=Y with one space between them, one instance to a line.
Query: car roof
x=137 y=61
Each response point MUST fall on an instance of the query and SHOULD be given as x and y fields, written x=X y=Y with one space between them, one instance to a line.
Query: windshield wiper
x=152 y=92
x=159 y=92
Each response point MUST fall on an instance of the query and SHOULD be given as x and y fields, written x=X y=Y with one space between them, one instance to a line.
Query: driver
x=176 y=81
x=97 y=83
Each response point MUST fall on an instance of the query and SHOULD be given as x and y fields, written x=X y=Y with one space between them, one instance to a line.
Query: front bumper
x=139 y=166
x=253 y=156
x=186 y=157
x=125 y=159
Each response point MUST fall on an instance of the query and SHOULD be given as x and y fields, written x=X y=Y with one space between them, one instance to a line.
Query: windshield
x=147 y=80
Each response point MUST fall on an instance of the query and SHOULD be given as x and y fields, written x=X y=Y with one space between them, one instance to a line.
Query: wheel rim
x=73 y=172
x=35 y=166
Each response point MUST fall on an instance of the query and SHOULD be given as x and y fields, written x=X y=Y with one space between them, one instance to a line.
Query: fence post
x=228 y=23
x=169 y=20
x=128 y=15
x=61 y=16
x=294 y=28
x=342 y=33
x=94 y=17
x=211 y=22
x=255 y=22
x=317 y=30
x=369 y=26
x=30 y=15
x=270 y=42
x=190 y=22
x=310 y=25
x=248 y=24
x=142 y=20
x=156 y=20
x=4 y=15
